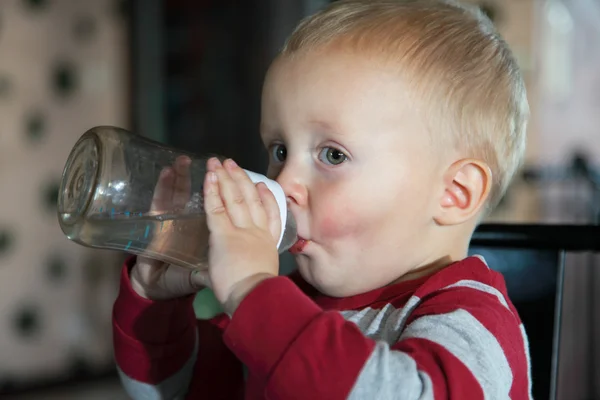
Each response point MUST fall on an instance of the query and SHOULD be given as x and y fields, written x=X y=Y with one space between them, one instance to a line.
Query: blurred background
x=189 y=73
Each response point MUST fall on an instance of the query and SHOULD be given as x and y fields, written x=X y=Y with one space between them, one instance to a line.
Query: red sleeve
x=152 y=339
x=463 y=342
x=296 y=348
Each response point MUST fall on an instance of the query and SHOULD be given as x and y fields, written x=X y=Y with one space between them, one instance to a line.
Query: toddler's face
x=354 y=157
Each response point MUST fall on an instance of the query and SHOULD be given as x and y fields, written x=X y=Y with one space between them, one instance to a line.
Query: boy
x=393 y=127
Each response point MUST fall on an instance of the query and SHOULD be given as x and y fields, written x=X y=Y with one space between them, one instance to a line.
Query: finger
x=216 y=214
x=250 y=192
x=200 y=279
x=183 y=182
x=177 y=281
x=232 y=197
x=213 y=163
x=163 y=191
x=257 y=207
x=271 y=209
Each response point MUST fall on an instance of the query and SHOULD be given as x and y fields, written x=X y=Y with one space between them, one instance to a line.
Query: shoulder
x=470 y=269
x=469 y=282
x=466 y=311
x=472 y=298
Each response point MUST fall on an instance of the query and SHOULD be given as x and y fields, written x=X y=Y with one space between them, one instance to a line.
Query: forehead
x=332 y=68
x=333 y=82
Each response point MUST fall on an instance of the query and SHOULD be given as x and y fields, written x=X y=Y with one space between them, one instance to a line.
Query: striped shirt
x=451 y=335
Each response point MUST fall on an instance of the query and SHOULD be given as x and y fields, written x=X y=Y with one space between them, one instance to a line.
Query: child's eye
x=332 y=156
x=279 y=152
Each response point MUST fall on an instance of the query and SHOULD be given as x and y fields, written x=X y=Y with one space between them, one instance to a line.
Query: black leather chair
x=532 y=260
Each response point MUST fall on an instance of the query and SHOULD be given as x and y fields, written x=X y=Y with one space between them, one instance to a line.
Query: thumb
x=199 y=279
x=178 y=281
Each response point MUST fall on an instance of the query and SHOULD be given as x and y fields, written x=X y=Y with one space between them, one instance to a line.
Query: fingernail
x=165 y=172
x=184 y=160
x=231 y=163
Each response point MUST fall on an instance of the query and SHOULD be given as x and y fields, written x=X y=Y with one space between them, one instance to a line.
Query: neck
x=426 y=269
x=458 y=250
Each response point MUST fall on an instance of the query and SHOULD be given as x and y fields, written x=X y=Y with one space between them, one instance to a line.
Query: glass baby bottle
x=122 y=191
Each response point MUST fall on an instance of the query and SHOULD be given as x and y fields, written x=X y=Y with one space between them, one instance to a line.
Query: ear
x=467 y=184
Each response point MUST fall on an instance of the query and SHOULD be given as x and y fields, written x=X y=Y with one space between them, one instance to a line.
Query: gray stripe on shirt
x=476 y=285
x=528 y=357
x=174 y=387
x=384 y=324
x=389 y=375
x=468 y=340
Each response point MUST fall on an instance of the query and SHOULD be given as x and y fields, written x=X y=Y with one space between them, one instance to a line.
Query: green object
x=206 y=305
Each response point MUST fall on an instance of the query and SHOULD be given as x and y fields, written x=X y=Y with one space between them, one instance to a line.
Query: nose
x=293 y=185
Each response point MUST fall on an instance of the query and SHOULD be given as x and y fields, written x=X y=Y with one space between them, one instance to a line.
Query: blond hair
x=455 y=59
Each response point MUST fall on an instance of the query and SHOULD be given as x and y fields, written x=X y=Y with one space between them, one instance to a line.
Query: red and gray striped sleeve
x=155 y=343
x=459 y=339
x=163 y=352
x=461 y=342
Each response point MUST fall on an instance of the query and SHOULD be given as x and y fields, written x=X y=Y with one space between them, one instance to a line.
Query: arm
x=155 y=342
x=156 y=346
x=444 y=352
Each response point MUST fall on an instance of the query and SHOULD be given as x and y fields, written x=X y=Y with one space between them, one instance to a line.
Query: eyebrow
x=268 y=132
x=326 y=126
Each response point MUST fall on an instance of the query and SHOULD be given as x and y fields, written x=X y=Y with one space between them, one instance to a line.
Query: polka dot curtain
x=63 y=69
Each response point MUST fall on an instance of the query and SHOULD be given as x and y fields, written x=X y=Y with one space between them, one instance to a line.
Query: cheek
x=337 y=220
x=348 y=212
x=333 y=225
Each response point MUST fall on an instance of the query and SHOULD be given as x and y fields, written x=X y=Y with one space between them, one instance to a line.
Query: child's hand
x=244 y=225
x=155 y=279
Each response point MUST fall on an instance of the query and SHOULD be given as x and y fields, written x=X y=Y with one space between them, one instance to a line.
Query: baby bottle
x=121 y=191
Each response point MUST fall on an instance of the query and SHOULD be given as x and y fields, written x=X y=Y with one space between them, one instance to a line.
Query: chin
x=324 y=283
x=310 y=272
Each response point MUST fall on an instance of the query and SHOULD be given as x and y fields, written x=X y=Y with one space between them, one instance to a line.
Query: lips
x=299 y=246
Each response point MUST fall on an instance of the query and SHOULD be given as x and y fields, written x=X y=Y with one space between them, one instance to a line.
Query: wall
x=62 y=70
